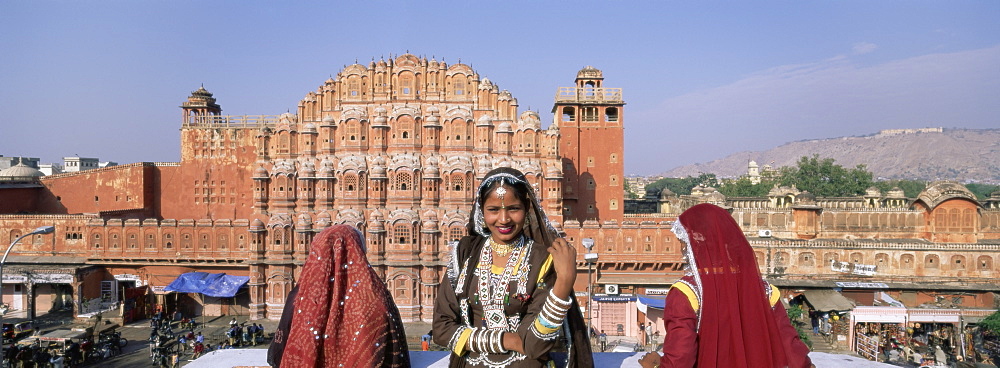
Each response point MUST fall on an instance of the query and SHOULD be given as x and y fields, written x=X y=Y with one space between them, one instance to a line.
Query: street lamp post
x=590 y=258
x=40 y=230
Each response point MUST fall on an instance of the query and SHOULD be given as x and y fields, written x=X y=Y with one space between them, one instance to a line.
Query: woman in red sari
x=722 y=313
x=340 y=313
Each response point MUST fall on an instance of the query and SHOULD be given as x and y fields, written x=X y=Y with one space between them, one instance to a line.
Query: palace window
x=931 y=261
x=906 y=261
x=985 y=263
x=402 y=234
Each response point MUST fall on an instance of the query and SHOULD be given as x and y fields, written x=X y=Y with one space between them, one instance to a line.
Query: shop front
x=615 y=314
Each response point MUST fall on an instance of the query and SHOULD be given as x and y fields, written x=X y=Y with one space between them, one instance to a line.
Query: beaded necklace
x=493 y=294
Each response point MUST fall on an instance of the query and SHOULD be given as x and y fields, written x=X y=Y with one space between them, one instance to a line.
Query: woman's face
x=504 y=215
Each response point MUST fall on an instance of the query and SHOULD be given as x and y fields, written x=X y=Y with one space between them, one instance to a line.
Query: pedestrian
x=57 y=361
x=199 y=338
x=602 y=338
x=198 y=349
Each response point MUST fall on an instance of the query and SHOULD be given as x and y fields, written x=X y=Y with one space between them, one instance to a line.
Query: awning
x=650 y=301
x=219 y=285
x=828 y=300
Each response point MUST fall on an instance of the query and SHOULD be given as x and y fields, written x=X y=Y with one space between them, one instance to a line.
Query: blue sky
x=701 y=79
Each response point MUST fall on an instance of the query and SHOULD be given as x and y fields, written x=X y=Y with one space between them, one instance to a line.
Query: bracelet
x=566 y=303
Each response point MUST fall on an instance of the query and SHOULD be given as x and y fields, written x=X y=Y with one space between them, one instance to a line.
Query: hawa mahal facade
x=396 y=148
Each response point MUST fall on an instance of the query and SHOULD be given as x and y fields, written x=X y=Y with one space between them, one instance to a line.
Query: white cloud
x=864 y=48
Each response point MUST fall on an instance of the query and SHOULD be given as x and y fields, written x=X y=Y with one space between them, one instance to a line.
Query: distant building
x=8 y=162
x=77 y=164
x=51 y=169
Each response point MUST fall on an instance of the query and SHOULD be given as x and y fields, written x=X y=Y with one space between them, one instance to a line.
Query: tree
x=982 y=191
x=992 y=323
x=824 y=178
x=911 y=188
x=683 y=186
x=742 y=187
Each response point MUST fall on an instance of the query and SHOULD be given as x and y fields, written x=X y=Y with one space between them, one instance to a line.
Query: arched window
x=781 y=259
x=958 y=262
x=806 y=259
x=932 y=261
x=568 y=114
x=404 y=181
x=455 y=233
x=985 y=263
x=857 y=257
x=402 y=234
x=906 y=261
x=611 y=114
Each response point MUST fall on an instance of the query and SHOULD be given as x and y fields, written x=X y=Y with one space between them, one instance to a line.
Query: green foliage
x=992 y=323
x=982 y=191
x=682 y=186
x=911 y=188
x=795 y=313
x=742 y=187
x=824 y=178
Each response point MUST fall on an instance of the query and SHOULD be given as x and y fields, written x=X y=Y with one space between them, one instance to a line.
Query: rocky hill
x=921 y=154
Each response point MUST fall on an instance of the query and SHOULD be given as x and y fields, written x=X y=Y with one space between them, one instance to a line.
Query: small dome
x=805 y=198
x=553 y=171
x=304 y=223
x=201 y=92
x=309 y=128
x=589 y=72
x=667 y=193
x=323 y=220
x=484 y=120
x=329 y=120
x=326 y=169
x=260 y=172
x=505 y=127
x=21 y=170
x=257 y=225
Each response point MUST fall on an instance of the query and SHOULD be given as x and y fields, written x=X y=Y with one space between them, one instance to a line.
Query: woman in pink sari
x=722 y=313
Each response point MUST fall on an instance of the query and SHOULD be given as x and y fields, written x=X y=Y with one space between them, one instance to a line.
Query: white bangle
x=561 y=302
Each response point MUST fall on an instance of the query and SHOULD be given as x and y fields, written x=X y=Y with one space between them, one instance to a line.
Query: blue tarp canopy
x=655 y=302
x=219 y=285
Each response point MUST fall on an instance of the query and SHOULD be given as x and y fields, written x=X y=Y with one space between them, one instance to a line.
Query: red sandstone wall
x=117 y=188
x=20 y=200
x=954 y=221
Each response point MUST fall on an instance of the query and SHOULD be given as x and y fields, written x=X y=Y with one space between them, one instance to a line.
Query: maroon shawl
x=737 y=325
x=343 y=313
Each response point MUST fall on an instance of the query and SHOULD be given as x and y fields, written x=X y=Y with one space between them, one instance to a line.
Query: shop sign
x=614 y=298
x=130 y=277
x=853 y=268
x=862 y=285
x=52 y=278
x=657 y=291
x=14 y=279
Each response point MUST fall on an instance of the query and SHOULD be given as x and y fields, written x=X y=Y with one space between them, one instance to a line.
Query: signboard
x=14 y=279
x=614 y=298
x=52 y=278
x=39 y=278
x=862 y=285
x=650 y=291
x=853 y=268
x=130 y=277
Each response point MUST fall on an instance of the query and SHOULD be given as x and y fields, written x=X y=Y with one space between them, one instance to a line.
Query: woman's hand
x=564 y=263
x=650 y=360
x=513 y=342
